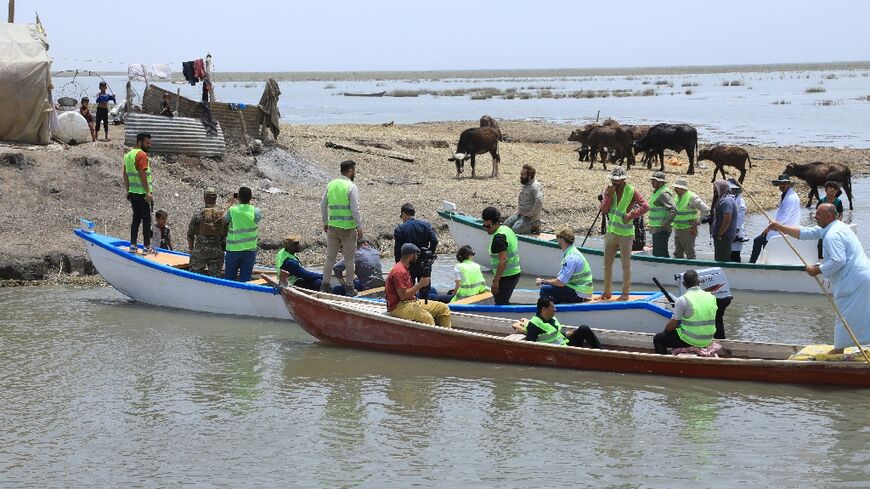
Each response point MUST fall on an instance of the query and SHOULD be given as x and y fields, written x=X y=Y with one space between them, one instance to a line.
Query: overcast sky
x=260 y=35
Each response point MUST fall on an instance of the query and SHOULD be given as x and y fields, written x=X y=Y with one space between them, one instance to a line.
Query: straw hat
x=658 y=176
x=681 y=183
x=618 y=173
x=291 y=239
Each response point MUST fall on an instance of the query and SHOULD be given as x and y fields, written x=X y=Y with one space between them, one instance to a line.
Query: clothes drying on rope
x=160 y=71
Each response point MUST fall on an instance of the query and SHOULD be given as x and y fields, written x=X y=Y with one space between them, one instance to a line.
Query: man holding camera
x=242 y=221
x=401 y=293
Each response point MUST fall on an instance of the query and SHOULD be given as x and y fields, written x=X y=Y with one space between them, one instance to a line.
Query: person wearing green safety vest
x=467 y=276
x=622 y=204
x=662 y=212
x=574 y=282
x=339 y=210
x=290 y=271
x=690 y=210
x=504 y=256
x=138 y=184
x=242 y=222
x=693 y=322
x=545 y=328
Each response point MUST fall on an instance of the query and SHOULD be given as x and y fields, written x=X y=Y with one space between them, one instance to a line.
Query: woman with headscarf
x=724 y=224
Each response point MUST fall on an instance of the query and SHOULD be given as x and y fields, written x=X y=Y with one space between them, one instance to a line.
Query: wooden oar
x=818 y=280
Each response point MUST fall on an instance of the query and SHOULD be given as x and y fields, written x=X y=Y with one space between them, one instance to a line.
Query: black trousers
x=668 y=339
x=141 y=216
x=102 y=115
x=757 y=245
x=506 y=286
x=735 y=256
x=583 y=335
x=721 y=305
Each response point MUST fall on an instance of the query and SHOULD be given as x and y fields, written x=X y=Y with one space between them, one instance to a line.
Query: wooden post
x=177 y=101
x=11 y=11
x=207 y=63
x=597 y=116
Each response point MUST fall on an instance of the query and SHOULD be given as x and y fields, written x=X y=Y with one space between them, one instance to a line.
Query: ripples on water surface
x=97 y=391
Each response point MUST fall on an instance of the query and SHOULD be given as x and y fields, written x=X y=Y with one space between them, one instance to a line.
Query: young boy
x=166 y=107
x=103 y=100
x=160 y=232
x=832 y=196
x=86 y=113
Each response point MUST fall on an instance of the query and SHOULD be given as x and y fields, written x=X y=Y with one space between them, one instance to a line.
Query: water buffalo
x=487 y=121
x=477 y=141
x=817 y=173
x=597 y=138
x=723 y=155
x=676 y=137
x=610 y=122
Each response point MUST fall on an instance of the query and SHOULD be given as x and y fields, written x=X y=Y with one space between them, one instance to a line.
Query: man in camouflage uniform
x=206 y=237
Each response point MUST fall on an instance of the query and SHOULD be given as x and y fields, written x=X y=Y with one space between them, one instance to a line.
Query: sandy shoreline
x=41 y=200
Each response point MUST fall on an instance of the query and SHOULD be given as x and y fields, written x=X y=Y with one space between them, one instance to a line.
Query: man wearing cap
x=288 y=268
x=622 y=204
x=529 y=204
x=339 y=209
x=788 y=214
x=662 y=212
x=206 y=234
x=739 y=216
x=690 y=210
x=401 y=293
x=574 y=282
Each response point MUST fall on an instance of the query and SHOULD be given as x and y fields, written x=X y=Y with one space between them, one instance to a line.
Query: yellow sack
x=819 y=353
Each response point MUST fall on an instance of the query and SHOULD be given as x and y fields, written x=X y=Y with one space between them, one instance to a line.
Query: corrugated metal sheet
x=221 y=111
x=174 y=135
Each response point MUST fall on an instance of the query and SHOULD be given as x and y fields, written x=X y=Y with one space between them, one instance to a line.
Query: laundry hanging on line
x=194 y=71
x=160 y=71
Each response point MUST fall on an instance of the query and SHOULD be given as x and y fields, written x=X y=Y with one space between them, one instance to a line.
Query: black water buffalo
x=723 y=155
x=676 y=137
x=597 y=138
x=477 y=141
x=817 y=173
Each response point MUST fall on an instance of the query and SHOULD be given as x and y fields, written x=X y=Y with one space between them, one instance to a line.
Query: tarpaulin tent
x=25 y=81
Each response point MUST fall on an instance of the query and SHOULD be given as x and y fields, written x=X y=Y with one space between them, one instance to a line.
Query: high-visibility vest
x=658 y=213
x=618 y=210
x=338 y=202
x=279 y=260
x=686 y=217
x=471 y=281
x=551 y=334
x=581 y=281
x=698 y=329
x=133 y=174
x=513 y=253
x=243 y=232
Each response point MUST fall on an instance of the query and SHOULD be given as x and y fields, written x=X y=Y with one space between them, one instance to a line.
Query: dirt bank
x=45 y=189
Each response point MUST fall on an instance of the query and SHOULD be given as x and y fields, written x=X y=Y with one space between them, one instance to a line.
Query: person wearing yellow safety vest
x=339 y=209
x=467 y=276
x=693 y=322
x=574 y=282
x=622 y=204
x=138 y=184
x=690 y=210
x=243 y=229
x=290 y=271
x=662 y=212
x=504 y=256
x=545 y=328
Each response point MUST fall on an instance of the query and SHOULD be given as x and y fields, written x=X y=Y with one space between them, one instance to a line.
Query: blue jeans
x=238 y=265
x=561 y=295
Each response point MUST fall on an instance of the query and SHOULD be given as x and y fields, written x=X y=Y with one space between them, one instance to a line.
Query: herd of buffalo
x=618 y=143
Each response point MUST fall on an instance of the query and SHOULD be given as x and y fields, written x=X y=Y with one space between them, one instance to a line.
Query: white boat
x=540 y=255
x=161 y=280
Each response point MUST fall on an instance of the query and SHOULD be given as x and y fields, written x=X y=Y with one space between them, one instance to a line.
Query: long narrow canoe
x=540 y=255
x=366 y=325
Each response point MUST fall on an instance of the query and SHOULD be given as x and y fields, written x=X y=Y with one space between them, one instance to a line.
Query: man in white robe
x=846 y=266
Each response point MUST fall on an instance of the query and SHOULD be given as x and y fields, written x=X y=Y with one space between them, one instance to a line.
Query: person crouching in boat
x=574 y=282
x=545 y=328
x=290 y=271
x=467 y=275
x=693 y=322
x=401 y=293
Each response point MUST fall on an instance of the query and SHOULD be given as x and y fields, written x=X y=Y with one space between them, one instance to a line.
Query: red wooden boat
x=364 y=324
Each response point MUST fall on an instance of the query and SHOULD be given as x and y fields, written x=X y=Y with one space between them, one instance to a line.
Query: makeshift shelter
x=25 y=83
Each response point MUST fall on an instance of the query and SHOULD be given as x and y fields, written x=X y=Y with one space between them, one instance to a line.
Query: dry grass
x=815 y=90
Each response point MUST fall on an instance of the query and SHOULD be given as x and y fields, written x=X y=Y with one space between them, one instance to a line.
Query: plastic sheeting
x=25 y=80
x=72 y=128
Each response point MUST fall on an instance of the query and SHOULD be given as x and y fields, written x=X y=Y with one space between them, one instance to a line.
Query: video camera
x=425 y=259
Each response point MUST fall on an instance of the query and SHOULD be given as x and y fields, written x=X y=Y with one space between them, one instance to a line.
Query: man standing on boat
x=693 y=322
x=661 y=214
x=138 y=184
x=504 y=256
x=206 y=235
x=545 y=328
x=415 y=231
x=740 y=216
x=339 y=209
x=242 y=220
x=574 y=282
x=401 y=293
x=788 y=214
x=845 y=265
x=622 y=204
x=529 y=204
x=690 y=210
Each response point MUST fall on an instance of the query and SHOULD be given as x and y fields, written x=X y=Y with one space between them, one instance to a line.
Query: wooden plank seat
x=168 y=259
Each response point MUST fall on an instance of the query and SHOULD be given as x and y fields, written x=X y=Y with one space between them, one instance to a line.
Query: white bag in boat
x=72 y=129
x=712 y=280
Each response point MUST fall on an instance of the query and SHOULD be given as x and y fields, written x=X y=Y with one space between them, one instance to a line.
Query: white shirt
x=788 y=213
x=741 y=217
